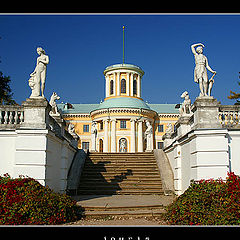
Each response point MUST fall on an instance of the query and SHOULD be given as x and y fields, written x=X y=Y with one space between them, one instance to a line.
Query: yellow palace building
x=119 y=123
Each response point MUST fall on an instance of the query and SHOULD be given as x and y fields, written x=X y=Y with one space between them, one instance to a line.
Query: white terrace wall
x=35 y=146
x=206 y=143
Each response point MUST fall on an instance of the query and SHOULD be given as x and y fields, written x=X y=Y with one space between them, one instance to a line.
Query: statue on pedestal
x=200 y=71
x=148 y=135
x=186 y=105
x=71 y=130
x=38 y=76
x=123 y=145
x=53 y=104
x=94 y=135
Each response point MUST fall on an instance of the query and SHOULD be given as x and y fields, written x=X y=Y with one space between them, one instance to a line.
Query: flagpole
x=123 y=43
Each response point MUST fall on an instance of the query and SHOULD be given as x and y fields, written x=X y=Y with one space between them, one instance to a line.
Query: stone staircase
x=120 y=173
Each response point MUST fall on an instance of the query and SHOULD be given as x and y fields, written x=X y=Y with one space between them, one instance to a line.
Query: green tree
x=5 y=91
x=235 y=95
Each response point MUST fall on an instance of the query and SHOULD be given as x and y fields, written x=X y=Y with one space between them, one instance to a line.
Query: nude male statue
x=200 y=71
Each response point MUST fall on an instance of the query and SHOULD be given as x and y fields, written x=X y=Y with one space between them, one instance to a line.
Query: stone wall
x=205 y=143
x=33 y=143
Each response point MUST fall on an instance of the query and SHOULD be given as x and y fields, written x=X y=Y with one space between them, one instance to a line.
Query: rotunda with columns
x=122 y=116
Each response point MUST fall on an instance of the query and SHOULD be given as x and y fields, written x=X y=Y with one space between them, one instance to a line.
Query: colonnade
x=135 y=134
x=117 y=85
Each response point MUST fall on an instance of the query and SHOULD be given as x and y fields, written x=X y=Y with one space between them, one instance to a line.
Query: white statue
x=186 y=105
x=123 y=145
x=200 y=71
x=169 y=129
x=71 y=130
x=53 y=104
x=38 y=76
x=149 y=135
x=94 y=135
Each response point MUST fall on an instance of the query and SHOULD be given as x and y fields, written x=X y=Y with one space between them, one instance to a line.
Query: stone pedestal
x=167 y=139
x=206 y=113
x=36 y=113
x=183 y=124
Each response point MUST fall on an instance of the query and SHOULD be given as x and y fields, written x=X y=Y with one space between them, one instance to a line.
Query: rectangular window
x=85 y=128
x=160 y=128
x=85 y=145
x=160 y=145
x=123 y=124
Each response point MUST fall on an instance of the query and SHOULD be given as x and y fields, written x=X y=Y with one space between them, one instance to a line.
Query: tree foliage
x=234 y=95
x=5 y=91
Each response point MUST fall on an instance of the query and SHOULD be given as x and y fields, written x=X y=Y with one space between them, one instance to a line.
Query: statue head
x=199 y=49
x=40 y=50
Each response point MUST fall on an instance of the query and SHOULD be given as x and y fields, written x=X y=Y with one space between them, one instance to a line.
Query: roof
x=123 y=102
x=118 y=102
x=123 y=66
x=78 y=108
x=164 y=108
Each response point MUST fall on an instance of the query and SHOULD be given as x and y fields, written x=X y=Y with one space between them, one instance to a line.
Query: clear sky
x=80 y=47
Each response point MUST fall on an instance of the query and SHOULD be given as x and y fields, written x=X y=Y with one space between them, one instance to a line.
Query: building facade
x=119 y=123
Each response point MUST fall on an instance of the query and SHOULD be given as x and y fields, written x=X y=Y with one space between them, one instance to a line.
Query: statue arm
x=45 y=61
x=195 y=45
x=209 y=68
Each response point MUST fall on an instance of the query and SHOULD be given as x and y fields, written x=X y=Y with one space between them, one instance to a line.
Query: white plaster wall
x=203 y=154
x=39 y=154
x=186 y=171
x=7 y=151
x=234 y=150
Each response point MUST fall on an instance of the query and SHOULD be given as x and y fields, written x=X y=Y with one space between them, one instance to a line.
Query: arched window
x=111 y=87
x=134 y=87
x=123 y=86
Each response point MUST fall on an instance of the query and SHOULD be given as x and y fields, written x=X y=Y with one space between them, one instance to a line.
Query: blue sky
x=80 y=47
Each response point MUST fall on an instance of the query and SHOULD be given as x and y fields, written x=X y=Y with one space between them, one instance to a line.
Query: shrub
x=26 y=201
x=208 y=202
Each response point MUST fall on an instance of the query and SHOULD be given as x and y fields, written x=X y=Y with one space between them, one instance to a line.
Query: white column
x=118 y=84
x=140 y=136
x=113 y=136
x=107 y=85
x=131 y=84
x=114 y=84
x=105 y=143
x=133 y=140
x=139 y=86
x=127 y=84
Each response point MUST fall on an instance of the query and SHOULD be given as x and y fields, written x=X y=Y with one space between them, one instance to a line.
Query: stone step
x=120 y=186
x=121 y=157
x=121 y=170
x=123 y=208
x=120 y=175
x=124 y=213
x=119 y=192
x=120 y=163
x=128 y=180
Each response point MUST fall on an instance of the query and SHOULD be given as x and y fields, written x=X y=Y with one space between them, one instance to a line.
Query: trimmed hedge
x=26 y=201
x=208 y=202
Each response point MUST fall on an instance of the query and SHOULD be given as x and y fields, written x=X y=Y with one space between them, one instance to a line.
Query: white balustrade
x=229 y=117
x=11 y=115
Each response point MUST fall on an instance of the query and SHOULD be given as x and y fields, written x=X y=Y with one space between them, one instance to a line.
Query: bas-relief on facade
x=123 y=122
